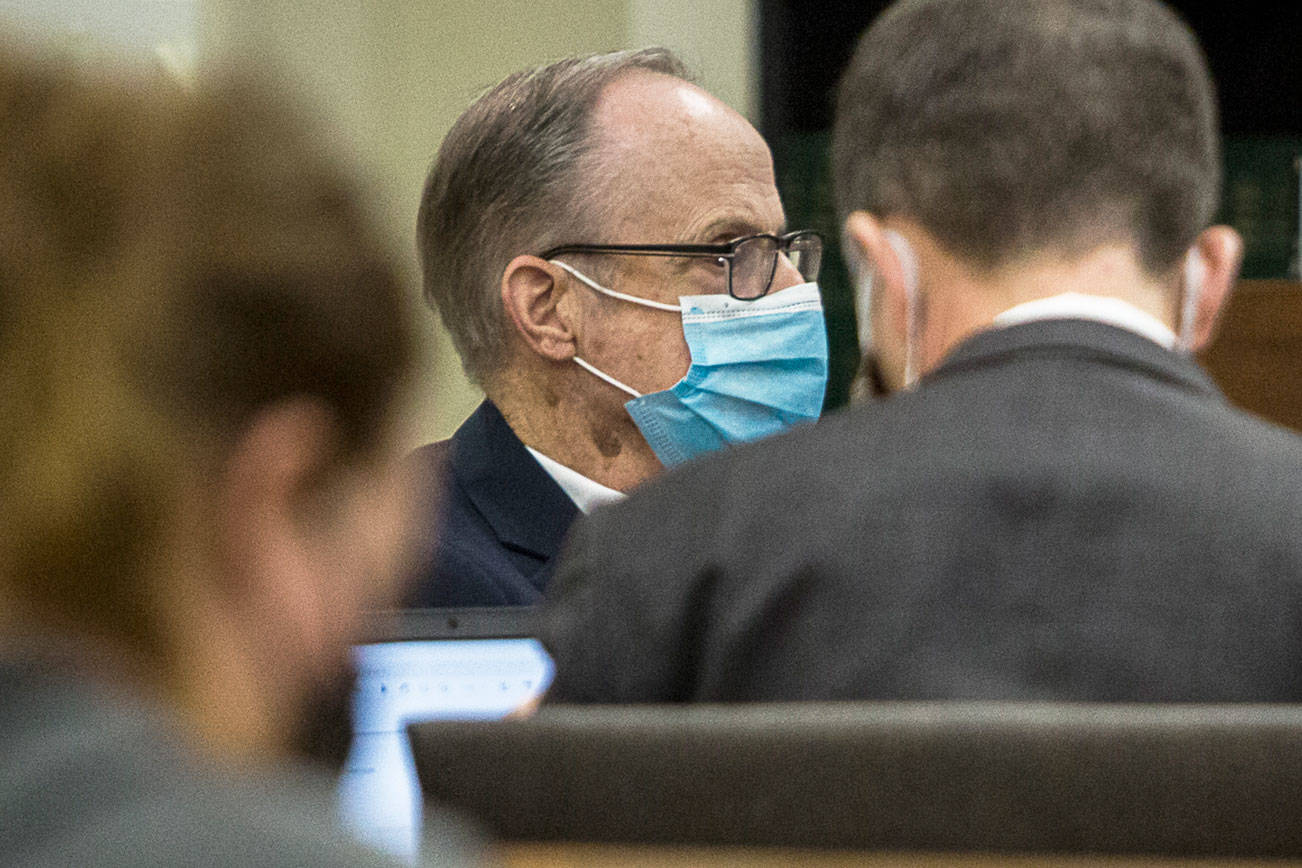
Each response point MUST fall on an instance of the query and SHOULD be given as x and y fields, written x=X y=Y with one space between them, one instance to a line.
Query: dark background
x=1251 y=45
x=1253 y=49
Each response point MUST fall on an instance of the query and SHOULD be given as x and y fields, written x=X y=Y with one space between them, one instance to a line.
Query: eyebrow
x=732 y=227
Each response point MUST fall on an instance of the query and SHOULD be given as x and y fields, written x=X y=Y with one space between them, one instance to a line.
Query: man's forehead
x=648 y=111
x=668 y=146
x=639 y=97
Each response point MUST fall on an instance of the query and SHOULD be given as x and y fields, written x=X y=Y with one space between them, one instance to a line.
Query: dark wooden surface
x=1256 y=357
x=561 y=855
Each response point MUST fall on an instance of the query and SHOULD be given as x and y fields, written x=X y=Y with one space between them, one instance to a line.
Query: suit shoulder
x=1265 y=434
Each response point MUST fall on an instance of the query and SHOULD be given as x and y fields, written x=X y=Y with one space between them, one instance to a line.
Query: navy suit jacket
x=499 y=520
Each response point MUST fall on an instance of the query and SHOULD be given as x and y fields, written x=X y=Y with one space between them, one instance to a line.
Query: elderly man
x=605 y=244
x=1059 y=504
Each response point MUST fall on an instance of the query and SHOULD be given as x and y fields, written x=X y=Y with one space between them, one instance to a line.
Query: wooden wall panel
x=1256 y=357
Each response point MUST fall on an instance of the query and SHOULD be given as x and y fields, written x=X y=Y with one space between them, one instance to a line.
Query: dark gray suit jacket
x=1063 y=510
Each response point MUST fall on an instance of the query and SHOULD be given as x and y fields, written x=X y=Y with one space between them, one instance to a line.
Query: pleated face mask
x=758 y=367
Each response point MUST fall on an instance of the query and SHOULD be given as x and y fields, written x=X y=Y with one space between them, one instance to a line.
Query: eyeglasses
x=748 y=262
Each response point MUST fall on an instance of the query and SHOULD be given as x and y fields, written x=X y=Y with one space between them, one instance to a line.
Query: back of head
x=172 y=262
x=509 y=180
x=1011 y=127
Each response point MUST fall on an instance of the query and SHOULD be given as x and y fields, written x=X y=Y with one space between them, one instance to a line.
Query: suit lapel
x=525 y=507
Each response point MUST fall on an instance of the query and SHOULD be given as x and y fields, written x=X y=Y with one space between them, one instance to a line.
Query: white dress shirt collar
x=587 y=494
x=1075 y=305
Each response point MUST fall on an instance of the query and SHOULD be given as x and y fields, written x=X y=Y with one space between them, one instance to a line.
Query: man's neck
x=569 y=430
x=969 y=302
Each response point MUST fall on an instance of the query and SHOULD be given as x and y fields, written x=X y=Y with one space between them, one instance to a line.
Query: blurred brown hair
x=171 y=262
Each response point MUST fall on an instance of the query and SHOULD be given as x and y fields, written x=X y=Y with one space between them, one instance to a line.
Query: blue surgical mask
x=757 y=368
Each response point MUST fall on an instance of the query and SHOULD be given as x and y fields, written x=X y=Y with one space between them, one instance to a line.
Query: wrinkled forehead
x=672 y=160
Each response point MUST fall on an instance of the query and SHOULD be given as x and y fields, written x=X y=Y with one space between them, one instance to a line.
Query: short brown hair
x=171 y=262
x=508 y=181
x=1006 y=127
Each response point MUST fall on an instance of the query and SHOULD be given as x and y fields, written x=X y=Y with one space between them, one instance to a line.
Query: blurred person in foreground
x=1057 y=503
x=203 y=347
x=606 y=246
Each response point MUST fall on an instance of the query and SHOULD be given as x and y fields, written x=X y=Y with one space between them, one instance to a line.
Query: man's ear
x=1221 y=251
x=270 y=485
x=532 y=290
x=866 y=247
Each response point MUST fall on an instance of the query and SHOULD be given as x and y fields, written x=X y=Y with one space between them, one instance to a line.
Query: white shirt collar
x=587 y=494
x=1075 y=305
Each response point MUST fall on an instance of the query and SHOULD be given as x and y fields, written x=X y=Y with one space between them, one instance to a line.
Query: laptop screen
x=438 y=664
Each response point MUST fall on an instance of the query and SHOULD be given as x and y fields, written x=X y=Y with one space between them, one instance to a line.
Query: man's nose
x=785 y=275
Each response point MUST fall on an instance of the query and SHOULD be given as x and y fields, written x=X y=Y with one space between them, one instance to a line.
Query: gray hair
x=508 y=180
x=1007 y=127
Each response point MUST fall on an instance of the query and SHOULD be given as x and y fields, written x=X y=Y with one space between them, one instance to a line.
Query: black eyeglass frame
x=725 y=252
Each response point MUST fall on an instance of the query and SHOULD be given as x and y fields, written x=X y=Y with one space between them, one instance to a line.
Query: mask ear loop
x=909 y=265
x=602 y=375
x=1195 y=272
x=862 y=275
x=622 y=296
x=588 y=281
